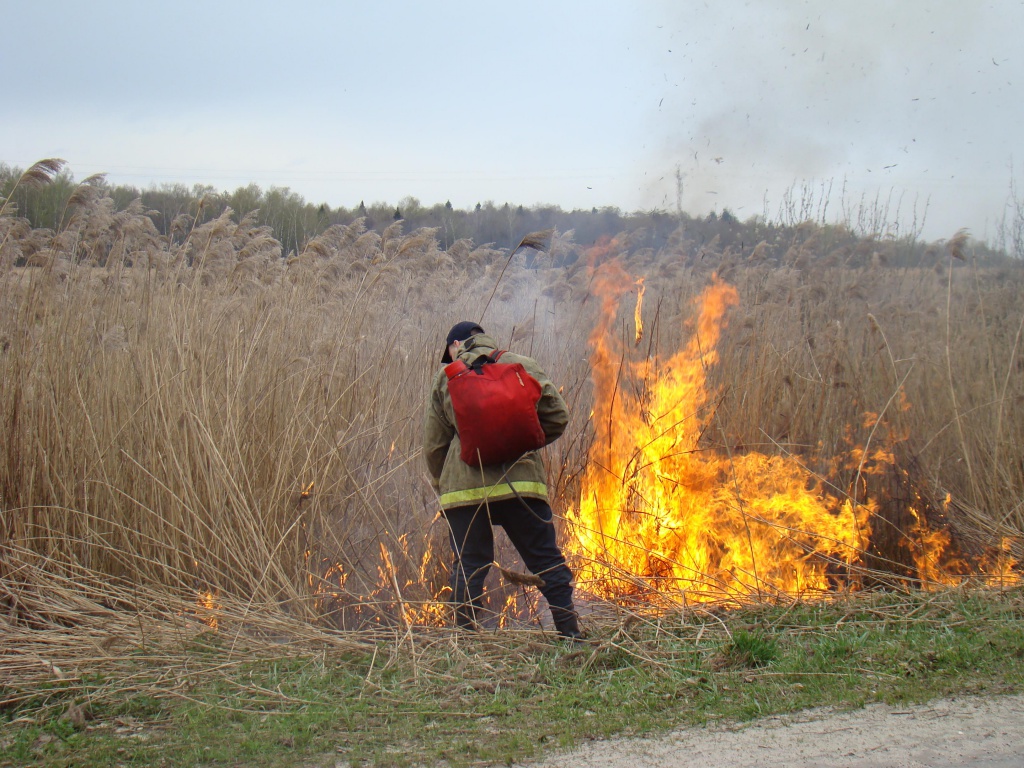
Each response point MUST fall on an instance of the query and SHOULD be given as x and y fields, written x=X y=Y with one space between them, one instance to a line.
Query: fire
x=939 y=563
x=1000 y=564
x=660 y=517
x=928 y=548
x=664 y=520
x=638 y=316
x=207 y=608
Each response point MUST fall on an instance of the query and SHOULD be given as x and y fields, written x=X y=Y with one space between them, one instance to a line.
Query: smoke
x=876 y=96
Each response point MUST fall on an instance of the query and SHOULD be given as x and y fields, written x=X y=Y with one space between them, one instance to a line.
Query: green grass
x=497 y=698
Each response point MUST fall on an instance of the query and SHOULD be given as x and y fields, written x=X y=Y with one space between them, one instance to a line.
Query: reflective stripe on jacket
x=462 y=485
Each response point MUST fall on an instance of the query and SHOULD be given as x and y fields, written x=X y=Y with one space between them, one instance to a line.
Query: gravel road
x=950 y=733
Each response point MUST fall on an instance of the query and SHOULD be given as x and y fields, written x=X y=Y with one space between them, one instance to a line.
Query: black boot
x=465 y=617
x=567 y=622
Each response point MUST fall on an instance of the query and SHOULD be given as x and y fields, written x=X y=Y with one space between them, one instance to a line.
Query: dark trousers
x=529 y=525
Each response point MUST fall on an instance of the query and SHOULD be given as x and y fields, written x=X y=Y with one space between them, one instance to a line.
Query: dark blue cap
x=459 y=332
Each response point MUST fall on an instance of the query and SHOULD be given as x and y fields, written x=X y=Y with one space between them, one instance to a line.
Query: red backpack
x=495 y=410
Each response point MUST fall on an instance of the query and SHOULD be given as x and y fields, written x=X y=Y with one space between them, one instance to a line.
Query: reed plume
x=38 y=175
x=538 y=241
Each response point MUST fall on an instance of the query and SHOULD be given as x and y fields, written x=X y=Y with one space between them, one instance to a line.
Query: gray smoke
x=923 y=98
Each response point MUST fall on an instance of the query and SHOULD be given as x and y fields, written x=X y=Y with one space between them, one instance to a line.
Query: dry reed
x=197 y=430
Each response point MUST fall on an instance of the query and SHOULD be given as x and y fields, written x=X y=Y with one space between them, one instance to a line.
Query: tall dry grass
x=194 y=417
x=195 y=413
x=903 y=384
x=924 y=364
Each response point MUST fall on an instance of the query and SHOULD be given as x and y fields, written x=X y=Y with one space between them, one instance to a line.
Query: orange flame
x=661 y=517
x=999 y=566
x=929 y=548
x=638 y=318
x=207 y=609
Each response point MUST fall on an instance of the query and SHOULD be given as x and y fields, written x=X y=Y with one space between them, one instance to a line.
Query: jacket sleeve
x=438 y=431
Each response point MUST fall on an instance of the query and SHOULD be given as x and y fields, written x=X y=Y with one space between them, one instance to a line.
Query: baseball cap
x=459 y=332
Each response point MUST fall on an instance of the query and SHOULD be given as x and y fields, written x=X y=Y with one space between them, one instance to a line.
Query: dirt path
x=967 y=732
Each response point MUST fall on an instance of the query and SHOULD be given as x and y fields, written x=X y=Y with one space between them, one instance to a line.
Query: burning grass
x=194 y=427
x=674 y=509
x=663 y=517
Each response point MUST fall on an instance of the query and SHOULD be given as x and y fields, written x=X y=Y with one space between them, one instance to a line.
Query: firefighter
x=513 y=495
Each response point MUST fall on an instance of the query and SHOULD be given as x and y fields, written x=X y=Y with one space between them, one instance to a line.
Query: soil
x=962 y=732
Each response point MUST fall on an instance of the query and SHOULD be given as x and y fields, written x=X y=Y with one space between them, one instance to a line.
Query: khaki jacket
x=462 y=485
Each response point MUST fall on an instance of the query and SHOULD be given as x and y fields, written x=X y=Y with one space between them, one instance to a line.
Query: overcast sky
x=578 y=104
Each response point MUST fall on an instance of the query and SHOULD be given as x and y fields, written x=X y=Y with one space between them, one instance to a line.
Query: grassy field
x=433 y=696
x=211 y=484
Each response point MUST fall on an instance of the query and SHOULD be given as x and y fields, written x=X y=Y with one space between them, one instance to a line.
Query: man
x=512 y=495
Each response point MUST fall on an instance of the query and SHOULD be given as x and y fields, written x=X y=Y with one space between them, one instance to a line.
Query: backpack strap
x=477 y=365
x=459 y=367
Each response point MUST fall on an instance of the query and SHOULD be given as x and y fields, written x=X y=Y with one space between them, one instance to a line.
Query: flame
x=660 y=517
x=305 y=493
x=330 y=584
x=433 y=612
x=638 y=318
x=929 y=548
x=999 y=566
x=412 y=608
x=208 y=607
x=939 y=563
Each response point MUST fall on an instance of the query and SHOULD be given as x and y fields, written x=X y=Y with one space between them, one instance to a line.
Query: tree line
x=294 y=221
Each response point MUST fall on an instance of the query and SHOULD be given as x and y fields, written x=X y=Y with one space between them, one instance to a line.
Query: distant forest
x=294 y=221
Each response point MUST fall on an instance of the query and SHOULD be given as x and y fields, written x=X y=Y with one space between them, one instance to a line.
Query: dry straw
x=196 y=429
